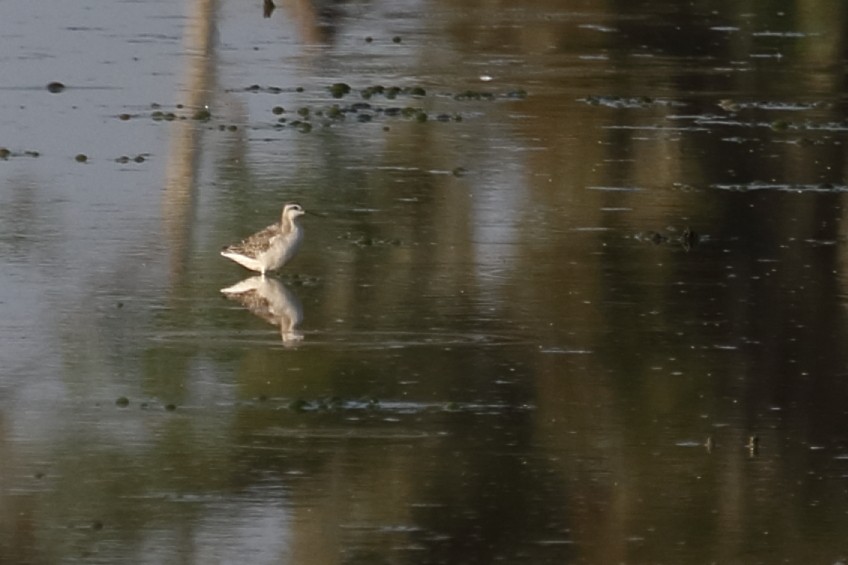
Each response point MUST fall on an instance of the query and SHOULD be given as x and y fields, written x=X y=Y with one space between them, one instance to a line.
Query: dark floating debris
x=396 y=39
x=628 y=102
x=376 y=406
x=266 y=89
x=781 y=187
x=122 y=402
x=474 y=95
x=729 y=105
x=6 y=153
x=332 y=404
x=267 y=8
x=140 y=158
x=55 y=87
x=367 y=241
x=687 y=238
x=298 y=405
x=81 y=158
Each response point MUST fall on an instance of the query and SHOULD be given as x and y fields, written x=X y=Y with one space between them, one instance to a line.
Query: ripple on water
x=358 y=340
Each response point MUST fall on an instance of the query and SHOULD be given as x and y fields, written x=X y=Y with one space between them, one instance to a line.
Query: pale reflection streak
x=307 y=21
x=269 y=299
x=183 y=151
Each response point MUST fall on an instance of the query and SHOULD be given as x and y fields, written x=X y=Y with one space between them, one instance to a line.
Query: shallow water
x=547 y=303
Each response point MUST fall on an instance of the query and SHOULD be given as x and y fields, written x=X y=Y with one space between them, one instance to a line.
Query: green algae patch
x=339 y=89
x=202 y=114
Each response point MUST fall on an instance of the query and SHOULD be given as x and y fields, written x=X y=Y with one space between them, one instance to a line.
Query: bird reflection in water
x=269 y=299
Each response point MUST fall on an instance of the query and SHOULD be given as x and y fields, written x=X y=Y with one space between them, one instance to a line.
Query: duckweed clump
x=202 y=114
x=158 y=116
x=339 y=89
x=305 y=118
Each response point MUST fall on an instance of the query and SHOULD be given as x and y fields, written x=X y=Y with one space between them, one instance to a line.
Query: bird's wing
x=256 y=243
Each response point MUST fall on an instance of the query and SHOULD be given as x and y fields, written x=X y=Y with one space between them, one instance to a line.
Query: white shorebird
x=273 y=247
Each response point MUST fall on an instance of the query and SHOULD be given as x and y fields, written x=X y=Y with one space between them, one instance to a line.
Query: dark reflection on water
x=576 y=294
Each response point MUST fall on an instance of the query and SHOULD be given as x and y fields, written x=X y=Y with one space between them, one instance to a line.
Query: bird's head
x=292 y=210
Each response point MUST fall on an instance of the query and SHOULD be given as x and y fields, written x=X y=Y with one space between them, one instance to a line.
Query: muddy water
x=575 y=293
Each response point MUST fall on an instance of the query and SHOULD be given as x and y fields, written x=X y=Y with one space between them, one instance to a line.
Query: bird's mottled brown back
x=256 y=243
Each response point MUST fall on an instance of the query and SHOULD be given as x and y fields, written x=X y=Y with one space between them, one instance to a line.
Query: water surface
x=576 y=292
